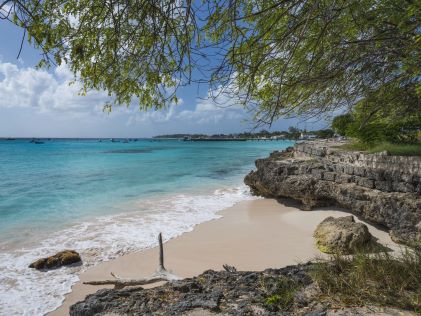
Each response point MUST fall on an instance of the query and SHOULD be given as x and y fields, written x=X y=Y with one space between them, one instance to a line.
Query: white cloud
x=206 y=111
x=49 y=92
x=160 y=116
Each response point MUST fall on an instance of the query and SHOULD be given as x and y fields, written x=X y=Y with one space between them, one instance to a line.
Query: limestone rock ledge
x=382 y=189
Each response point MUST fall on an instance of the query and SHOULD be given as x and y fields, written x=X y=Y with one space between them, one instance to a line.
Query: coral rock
x=342 y=235
x=61 y=258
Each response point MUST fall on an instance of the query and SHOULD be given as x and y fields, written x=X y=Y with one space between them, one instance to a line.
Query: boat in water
x=36 y=141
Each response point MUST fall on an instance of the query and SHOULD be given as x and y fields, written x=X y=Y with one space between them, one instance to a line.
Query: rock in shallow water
x=61 y=258
x=342 y=235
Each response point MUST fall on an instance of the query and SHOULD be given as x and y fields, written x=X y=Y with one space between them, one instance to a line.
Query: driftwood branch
x=229 y=268
x=161 y=274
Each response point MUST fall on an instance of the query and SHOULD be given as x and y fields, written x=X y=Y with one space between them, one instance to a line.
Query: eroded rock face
x=61 y=258
x=379 y=196
x=342 y=235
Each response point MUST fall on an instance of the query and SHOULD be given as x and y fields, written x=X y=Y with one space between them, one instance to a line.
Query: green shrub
x=375 y=120
x=341 y=123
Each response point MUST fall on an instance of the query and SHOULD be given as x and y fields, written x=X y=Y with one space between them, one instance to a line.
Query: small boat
x=36 y=141
x=10 y=138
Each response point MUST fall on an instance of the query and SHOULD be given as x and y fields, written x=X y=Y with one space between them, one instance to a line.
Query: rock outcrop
x=286 y=291
x=381 y=189
x=212 y=293
x=342 y=235
x=61 y=258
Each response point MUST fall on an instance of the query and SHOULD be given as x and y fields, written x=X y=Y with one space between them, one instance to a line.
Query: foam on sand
x=25 y=291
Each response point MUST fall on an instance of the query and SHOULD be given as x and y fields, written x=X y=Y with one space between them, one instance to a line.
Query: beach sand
x=252 y=235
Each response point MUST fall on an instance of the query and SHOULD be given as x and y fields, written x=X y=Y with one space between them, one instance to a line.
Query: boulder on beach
x=342 y=235
x=61 y=258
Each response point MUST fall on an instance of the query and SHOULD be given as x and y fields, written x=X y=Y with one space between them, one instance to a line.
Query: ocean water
x=105 y=199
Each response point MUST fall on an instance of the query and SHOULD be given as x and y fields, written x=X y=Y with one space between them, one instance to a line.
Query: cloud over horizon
x=23 y=87
x=33 y=98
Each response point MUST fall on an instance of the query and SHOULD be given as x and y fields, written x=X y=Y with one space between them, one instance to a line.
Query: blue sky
x=40 y=103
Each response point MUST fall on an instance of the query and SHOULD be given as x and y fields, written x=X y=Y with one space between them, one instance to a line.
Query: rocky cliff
x=382 y=189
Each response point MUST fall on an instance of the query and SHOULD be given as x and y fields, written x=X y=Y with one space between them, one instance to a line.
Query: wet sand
x=252 y=235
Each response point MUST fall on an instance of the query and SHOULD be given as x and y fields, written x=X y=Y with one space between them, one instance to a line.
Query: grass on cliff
x=280 y=292
x=392 y=149
x=376 y=279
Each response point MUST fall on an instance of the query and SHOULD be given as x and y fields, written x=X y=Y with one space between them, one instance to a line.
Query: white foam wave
x=25 y=291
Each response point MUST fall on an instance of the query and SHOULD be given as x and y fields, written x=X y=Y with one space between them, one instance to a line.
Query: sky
x=41 y=103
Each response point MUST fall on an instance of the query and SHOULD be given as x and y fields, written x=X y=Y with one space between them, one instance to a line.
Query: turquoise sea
x=105 y=199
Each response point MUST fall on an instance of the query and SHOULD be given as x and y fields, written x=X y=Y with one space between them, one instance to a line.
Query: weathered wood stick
x=161 y=274
x=161 y=253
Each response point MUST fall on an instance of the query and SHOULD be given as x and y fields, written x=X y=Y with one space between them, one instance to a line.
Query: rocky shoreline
x=315 y=174
x=211 y=293
x=286 y=291
x=381 y=189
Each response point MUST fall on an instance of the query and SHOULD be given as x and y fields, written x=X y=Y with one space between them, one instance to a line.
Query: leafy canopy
x=276 y=57
x=372 y=126
x=311 y=57
x=129 y=48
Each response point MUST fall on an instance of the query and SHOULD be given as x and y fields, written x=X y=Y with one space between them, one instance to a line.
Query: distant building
x=307 y=136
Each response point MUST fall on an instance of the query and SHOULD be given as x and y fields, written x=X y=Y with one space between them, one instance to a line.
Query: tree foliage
x=372 y=122
x=276 y=57
x=309 y=56
x=341 y=123
x=132 y=49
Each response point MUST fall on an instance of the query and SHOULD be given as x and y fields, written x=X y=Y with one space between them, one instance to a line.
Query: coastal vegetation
x=371 y=279
x=363 y=279
x=396 y=130
x=390 y=148
x=292 y=133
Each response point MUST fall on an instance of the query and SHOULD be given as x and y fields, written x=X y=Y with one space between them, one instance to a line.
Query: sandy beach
x=252 y=235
